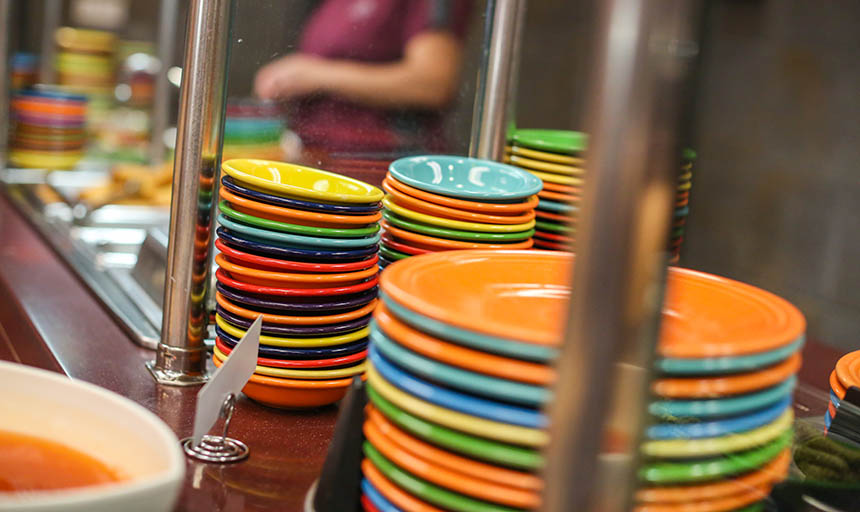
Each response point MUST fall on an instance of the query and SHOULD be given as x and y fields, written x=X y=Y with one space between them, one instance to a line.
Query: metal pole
x=50 y=23
x=181 y=354
x=495 y=79
x=645 y=50
x=167 y=15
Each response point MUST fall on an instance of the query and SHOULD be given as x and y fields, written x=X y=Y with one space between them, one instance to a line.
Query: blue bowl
x=298 y=353
x=466 y=178
x=376 y=497
x=730 y=406
x=719 y=427
x=453 y=400
x=296 y=330
x=297 y=204
x=289 y=240
x=730 y=364
x=240 y=241
x=298 y=304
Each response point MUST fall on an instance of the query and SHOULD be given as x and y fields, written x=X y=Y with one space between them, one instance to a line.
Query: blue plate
x=312 y=305
x=555 y=207
x=376 y=497
x=296 y=330
x=719 y=427
x=723 y=406
x=245 y=126
x=729 y=364
x=454 y=400
x=466 y=178
x=472 y=339
x=827 y=419
x=458 y=378
x=680 y=212
x=834 y=399
x=298 y=353
x=298 y=204
x=289 y=240
x=42 y=92
x=241 y=241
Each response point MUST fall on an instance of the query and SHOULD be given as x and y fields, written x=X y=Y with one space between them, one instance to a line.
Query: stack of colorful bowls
x=844 y=376
x=728 y=355
x=440 y=203
x=299 y=247
x=557 y=158
x=24 y=71
x=48 y=130
x=253 y=129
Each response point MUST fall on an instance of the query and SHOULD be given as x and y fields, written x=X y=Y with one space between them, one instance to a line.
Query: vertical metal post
x=5 y=26
x=167 y=14
x=644 y=53
x=50 y=23
x=181 y=354
x=496 y=79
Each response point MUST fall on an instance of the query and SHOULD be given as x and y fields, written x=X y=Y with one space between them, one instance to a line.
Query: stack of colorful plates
x=24 y=71
x=844 y=376
x=557 y=158
x=439 y=203
x=253 y=129
x=48 y=130
x=729 y=353
x=85 y=65
x=299 y=247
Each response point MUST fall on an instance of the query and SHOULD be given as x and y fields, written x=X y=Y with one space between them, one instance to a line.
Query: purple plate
x=299 y=204
x=308 y=304
x=236 y=240
x=296 y=330
x=299 y=353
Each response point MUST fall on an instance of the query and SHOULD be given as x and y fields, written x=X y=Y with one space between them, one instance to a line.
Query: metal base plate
x=171 y=378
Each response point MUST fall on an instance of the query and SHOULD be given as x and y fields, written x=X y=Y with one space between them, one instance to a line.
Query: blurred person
x=372 y=76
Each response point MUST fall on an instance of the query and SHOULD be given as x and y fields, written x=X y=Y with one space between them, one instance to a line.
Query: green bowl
x=298 y=229
x=454 y=234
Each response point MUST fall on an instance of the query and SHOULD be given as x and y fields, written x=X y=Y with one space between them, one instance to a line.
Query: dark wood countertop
x=48 y=319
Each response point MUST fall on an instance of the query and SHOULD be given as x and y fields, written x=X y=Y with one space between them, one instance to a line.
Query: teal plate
x=298 y=229
x=289 y=240
x=679 y=409
x=556 y=207
x=457 y=378
x=472 y=339
x=729 y=364
x=454 y=234
x=465 y=178
x=556 y=141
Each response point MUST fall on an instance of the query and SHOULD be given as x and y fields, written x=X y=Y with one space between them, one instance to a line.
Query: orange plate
x=296 y=280
x=404 y=248
x=711 y=316
x=392 y=492
x=475 y=360
x=44 y=107
x=713 y=387
x=558 y=196
x=295 y=320
x=680 y=196
x=431 y=242
x=557 y=217
x=292 y=216
x=439 y=474
x=774 y=471
x=493 y=474
x=847 y=369
x=475 y=206
x=732 y=502
x=554 y=237
x=429 y=208
x=831 y=409
x=564 y=189
x=837 y=386
x=292 y=393
x=295 y=289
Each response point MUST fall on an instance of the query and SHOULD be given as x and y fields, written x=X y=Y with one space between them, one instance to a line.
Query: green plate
x=454 y=234
x=292 y=239
x=425 y=490
x=225 y=208
x=457 y=378
x=465 y=444
x=390 y=253
x=709 y=469
x=556 y=141
x=543 y=225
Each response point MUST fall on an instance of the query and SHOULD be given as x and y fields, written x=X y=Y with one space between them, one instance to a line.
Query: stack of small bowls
x=458 y=371
x=253 y=129
x=48 y=130
x=439 y=203
x=299 y=247
x=85 y=65
x=844 y=376
x=557 y=158
x=728 y=358
x=24 y=71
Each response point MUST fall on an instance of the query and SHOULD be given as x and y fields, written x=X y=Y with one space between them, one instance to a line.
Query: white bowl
x=101 y=424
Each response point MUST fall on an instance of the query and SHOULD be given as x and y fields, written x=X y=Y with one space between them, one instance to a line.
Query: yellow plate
x=279 y=341
x=458 y=421
x=720 y=445
x=299 y=181
x=530 y=164
x=455 y=224
x=543 y=155
x=288 y=373
x=687 y=176
x=557 y=178
x=43 y=160
x=685 y=186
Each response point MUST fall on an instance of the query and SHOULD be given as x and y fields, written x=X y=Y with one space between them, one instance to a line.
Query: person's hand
x=290 y=77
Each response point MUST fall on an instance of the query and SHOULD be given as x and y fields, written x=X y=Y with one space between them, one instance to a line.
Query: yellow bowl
x=455 y=224
x=279 y=341
x=299 y=181
x=289 y=373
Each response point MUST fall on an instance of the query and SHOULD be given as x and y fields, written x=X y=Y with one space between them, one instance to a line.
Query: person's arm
x=426 y=76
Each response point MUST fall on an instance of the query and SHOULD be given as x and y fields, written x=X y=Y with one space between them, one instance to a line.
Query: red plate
x=264 y=263
x=553 y=237
x=543 y=244
x=367 y=504
x=227 y=280
x=397 y=246
x=298 y=363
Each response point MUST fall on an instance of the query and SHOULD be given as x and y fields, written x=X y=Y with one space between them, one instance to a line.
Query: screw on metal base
x=218 y=449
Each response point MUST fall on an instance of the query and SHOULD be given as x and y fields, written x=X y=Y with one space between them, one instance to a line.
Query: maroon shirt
x=372 y=31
